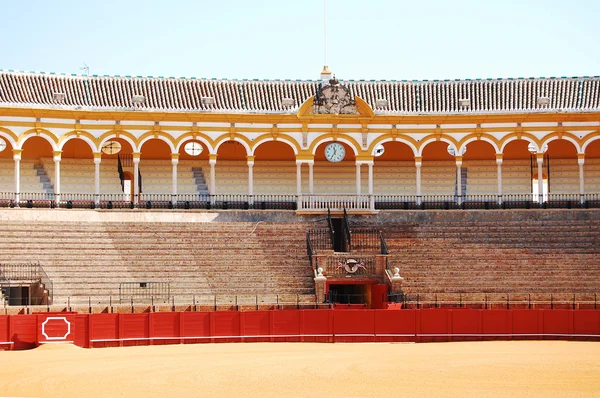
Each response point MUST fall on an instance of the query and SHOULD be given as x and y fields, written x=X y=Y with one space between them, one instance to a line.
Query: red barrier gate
x=101 y=330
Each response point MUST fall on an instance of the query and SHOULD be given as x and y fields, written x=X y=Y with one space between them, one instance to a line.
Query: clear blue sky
x=269 y=39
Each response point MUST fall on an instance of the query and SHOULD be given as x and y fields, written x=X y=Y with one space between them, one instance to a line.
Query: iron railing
x=309 y=249
x=331 y=229
x=306 y=202
x=320 y=239
x=383 y=246
x=144 y=291
x=366 y=240
x=347 y=234
x=493 y=300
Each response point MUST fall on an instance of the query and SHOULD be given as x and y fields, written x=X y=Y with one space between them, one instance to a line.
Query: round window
x=2 y=145
x=379 y=150
x=193 y=148
x=111 y=147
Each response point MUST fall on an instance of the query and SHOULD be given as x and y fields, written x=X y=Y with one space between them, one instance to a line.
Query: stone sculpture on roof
x=334 y=99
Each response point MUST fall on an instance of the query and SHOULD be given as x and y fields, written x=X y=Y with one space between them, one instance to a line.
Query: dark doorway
x=16 y=295
x=339 y=241
x=347 y=294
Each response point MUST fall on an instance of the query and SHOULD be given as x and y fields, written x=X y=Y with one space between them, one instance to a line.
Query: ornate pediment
x=334 y=99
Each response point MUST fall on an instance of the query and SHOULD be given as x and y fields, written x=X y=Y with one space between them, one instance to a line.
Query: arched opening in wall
x=193 y=169
x=592 y=168
x=394 y=170
x=116 y=169
x=274 y=169
x=517 y=176
x=334 y=170
x=77 y=170
x=479 y=170
x=155 y=172
x=231 y=170
x=438 y=171
x=7 y=168
x=37 y=168
x=561 y=170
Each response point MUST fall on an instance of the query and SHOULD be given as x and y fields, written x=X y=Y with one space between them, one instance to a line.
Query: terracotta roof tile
x=265 y=96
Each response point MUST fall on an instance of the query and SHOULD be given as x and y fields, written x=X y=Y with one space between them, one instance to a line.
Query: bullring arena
x=144 y=217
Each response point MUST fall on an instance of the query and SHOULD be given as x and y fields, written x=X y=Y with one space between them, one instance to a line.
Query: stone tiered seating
x=157 y=177
x=30 y=182
x=77 y=176
x=498 y=252
x=197 y=259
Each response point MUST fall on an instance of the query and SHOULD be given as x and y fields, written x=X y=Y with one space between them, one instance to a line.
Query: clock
x=2 y=145
x=335 y=152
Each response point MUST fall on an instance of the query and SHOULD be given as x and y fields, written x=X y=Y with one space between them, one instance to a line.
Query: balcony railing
x=306 y=202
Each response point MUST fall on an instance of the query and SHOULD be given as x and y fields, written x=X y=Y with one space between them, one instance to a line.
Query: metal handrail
x=331 y=230
x=290 y=202
x=384 y=248
x=347 y=233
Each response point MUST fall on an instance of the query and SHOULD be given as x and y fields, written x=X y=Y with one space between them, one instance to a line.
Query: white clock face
x=335 y=152
x=2 y=145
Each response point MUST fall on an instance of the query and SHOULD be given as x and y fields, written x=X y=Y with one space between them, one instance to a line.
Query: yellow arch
x=159 y=135
x=572 y=138
x=490 y=139
x=125 y=135
x=12 y=137
x=589 y=139
x=78 y=134
x=409 y=141
x=38 y=132
x=233 y=137
x=205 y=139
x=436 y=137
x=516 y=136
x=261 y=139
x=331 y=137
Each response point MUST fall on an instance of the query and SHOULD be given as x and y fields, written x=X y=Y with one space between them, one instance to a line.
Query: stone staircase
x=44 y=179
x=200 y=180
x=90 y=260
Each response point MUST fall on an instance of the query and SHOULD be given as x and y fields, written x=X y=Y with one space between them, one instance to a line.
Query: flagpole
x=325 y=28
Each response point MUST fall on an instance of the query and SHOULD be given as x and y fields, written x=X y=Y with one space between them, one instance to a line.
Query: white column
x=17 y=159
x=311 y=182
x=459 y=179
x=418 y=168
x=371 y=198
x=136 y=173
x=499 y=177
x=250 y=179
x=97 y=161
x=299 y=184
x=298 y=178
x=174 y=163
x=57 y=157
x=540 y=162
x=581 y=161
x=212 y=161
x=358 y=181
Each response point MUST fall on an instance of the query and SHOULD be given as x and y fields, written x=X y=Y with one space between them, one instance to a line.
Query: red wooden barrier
x=102 y=330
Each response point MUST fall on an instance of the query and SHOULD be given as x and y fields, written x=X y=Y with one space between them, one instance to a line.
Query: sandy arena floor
x=482 y=369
